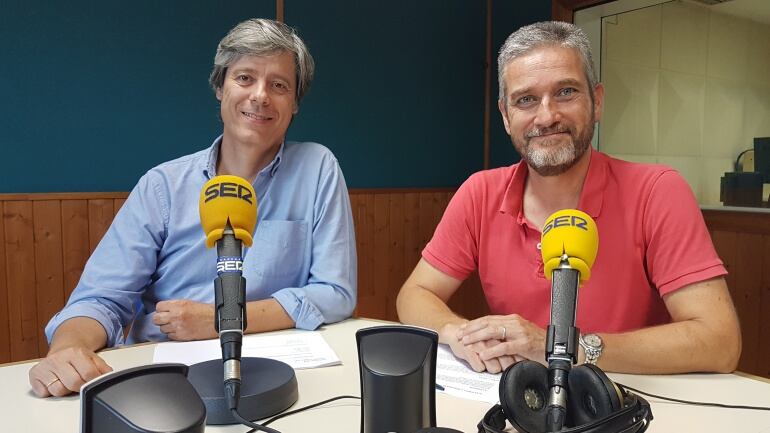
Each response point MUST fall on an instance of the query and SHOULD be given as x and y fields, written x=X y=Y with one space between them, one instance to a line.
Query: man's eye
x=569 y=91
x=243 y=78
x=525 y=101
x=280 y=86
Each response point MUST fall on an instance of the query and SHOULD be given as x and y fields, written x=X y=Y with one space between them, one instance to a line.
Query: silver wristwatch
x=593 y=345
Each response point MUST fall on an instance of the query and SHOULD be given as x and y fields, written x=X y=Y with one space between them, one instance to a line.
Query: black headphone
x=595 y=404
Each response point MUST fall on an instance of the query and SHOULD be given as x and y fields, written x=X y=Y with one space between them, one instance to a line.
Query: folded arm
x=703 y=336
x=422 y=301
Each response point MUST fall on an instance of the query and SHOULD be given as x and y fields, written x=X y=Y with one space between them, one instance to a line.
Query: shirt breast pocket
x=279 y=248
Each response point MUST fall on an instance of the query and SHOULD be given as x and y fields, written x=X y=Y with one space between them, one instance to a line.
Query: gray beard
x=553 y=159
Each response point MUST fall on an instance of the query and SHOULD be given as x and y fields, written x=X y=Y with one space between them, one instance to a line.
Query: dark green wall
x=94 y=93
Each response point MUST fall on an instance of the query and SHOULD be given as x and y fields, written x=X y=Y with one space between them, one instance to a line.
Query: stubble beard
x=550 y=157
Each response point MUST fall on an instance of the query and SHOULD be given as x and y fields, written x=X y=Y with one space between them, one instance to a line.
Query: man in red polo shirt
x=656 y=302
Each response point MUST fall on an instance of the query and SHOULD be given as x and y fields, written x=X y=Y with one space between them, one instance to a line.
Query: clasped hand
x=185 y=320
x=493 y=343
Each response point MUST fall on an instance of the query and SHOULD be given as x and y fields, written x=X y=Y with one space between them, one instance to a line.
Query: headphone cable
x=696 y=403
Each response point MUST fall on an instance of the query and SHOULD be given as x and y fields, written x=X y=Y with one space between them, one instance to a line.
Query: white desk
x=21 y=412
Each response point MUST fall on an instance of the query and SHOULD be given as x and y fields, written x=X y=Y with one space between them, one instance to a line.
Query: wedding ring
x=504 y=331
x=52 y=382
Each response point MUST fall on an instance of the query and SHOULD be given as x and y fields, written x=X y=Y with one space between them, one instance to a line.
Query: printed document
x=455 y=377
x=298 y=349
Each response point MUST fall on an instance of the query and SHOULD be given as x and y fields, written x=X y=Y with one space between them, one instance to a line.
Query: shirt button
x=539 y=246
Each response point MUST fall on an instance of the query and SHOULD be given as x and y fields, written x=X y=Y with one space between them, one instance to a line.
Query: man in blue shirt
x=151 y=277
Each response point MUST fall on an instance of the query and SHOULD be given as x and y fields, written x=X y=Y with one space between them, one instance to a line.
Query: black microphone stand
x=268 y=386
x=561 y=341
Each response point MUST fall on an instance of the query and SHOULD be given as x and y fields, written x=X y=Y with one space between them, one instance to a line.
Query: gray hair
x=262 y=37
x=555 y=33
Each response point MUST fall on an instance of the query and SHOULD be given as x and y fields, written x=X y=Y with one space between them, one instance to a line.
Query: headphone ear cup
x=592 y=395
x=524 y=396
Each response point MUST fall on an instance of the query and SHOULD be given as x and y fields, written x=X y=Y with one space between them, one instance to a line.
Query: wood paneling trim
x=5 y=342
x=63 y=196
x=563 y=10
x=280 y=10
x=375 y=191
x=744 y=222
x=487 y=83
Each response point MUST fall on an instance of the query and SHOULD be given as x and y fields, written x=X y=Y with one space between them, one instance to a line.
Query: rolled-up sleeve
x=330 y=294
x=121 y=266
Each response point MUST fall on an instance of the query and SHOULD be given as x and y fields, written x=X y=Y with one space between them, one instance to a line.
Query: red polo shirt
x=652 y=241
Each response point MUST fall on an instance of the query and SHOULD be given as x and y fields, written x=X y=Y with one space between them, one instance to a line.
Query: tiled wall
x=686 y=87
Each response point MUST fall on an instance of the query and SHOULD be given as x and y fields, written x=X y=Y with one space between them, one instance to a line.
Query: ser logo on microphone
x=565 y=221
x=229 y=264
x=228 y=189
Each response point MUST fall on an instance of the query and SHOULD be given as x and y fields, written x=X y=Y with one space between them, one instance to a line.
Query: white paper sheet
x=457 y=378
x=298 y=349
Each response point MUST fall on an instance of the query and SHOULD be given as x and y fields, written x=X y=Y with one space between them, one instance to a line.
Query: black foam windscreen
x=398 y=378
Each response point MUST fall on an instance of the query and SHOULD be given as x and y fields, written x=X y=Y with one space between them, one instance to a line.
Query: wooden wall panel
x=396 y=270
x=100 y=215
x=5 y=343
x=746 y=293
x=20 y=271
x=742 y=240
x=49 y=273
x=763 y=368
x=75 y=244
x=45 y=240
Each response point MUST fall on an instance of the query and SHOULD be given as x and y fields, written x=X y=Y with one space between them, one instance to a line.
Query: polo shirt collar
x=591 y=197
x=210 y=163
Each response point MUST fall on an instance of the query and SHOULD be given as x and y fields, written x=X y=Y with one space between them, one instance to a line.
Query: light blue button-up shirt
x=303 y=255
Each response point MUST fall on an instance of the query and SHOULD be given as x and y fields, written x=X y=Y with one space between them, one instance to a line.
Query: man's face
x=549 y=111
x=258 y=99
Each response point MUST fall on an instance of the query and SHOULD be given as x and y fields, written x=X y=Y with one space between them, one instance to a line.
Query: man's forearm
x=267 y=315
x=82 y=332
x=677 y=347
x=417 y=306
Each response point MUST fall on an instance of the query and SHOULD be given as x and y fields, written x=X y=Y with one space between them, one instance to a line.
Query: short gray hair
x=554 y=33
x=262 y=37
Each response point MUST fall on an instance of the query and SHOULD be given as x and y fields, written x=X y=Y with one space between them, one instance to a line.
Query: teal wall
x=94 y=93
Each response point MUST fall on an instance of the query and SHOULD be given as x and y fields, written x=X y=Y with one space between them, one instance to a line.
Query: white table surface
x=21 y=412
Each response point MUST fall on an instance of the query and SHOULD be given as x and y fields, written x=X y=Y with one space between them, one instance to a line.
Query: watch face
x=592 y=340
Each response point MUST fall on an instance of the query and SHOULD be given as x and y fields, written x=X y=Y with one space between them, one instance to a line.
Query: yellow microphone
x=569 y=244
x=228 y=211
x=228 y=199
x=572 y=233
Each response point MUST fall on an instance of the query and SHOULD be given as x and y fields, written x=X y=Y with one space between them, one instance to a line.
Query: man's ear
x=504 y=112
x=219 y=94
x=598 y=101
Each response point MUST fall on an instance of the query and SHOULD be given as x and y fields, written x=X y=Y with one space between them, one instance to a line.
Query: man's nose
x=547 y=113
x=259 y=94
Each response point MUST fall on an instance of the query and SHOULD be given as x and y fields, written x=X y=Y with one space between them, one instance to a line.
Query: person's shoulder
x=639 y=179
x=635 y=171
x=309 y=149
x=177 y=169
x=188 y=160
x=491 y=179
